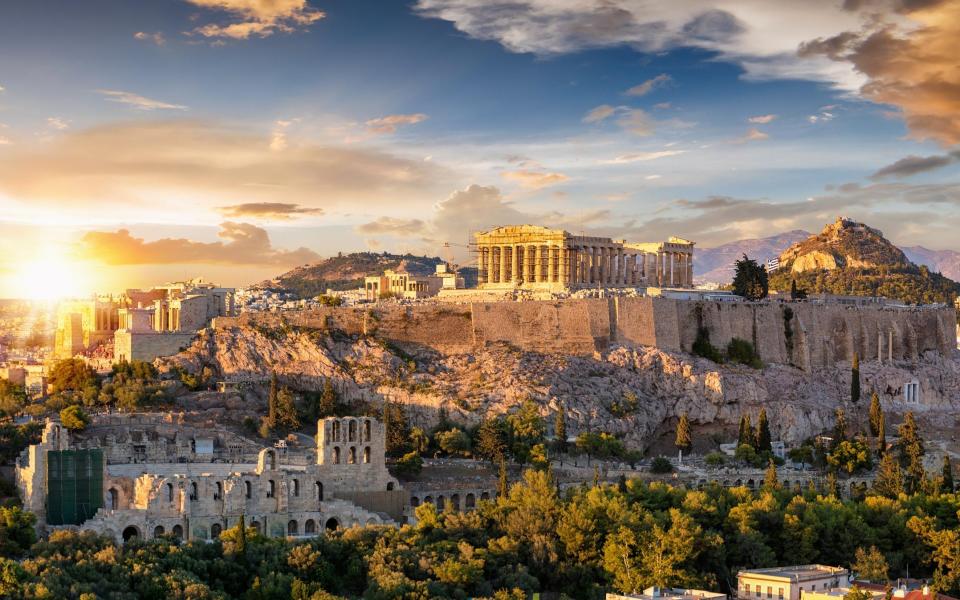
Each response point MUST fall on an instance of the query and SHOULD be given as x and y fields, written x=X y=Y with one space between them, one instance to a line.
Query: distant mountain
x=946 y=262
x=715 y=265
x=850 y=258
x=346 y=271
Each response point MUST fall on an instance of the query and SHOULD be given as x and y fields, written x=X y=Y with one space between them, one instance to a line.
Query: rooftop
x=797 y=572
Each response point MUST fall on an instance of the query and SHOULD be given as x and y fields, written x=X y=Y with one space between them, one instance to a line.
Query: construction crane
x=446 y=253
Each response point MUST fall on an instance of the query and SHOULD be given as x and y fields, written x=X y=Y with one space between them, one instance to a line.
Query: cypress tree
x=882 y=438
x=889 y=481
x=683 y=441
x=560 y=429
x=502 y=479
x=272 y=401
x=947 y=475
x=876 y=414
x=855 y=379
x=911 y=453
x=770 y=481
x=764 y=441
x=328 y=399
x=746 y=432
x=242 y=539
x=840 y=428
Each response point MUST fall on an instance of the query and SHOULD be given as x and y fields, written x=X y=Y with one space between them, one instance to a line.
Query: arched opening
x=256 y=526
x=455 y=501
x=389 y=486
x=193 y=490
x=113 y=499
x=470 y=501
x=352 y=457
x=485 y=496
x=352 y=431
x=441 y=502
x=332 y=524
x=414 y=501
x=319 y=492
x=292 y=528
x=248 y=489
x=750 y=483
x=178 y=532
x=158 y=531
x=130 y=533
x=336 y=431
x=271 y=488
x=336 y=456
x=366 y=454
x=215 y=530
x=428 y=500
x=169 y=492
x=272 y=456
x=310 y=527
x=219 y=493
x=366 y=430
x=296 y=488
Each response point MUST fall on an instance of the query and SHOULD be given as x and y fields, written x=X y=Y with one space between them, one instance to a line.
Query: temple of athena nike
x=533 y=257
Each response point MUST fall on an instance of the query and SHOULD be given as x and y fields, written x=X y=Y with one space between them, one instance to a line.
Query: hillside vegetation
x=849 y=258
x=346 y=271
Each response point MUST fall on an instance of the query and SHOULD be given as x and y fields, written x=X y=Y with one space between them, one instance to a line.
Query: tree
x=502 y=478
x=764 y=441
x=72 y=374
x=876 y=414
x=770 y=481
x=682 y=440
x=328 y=399
x=409 y=465
x=911 y=454
x=889 y=480
x=746 y=435
x=12 y=397
x=855 y=379
x=856 y=593
x=851 y=456
x=526 y=430
x=660 y=465
x=17 y=532
x=453 y=442
x=750 y=280
x=272 y=401
x=882 y=437
x=73 y=418
x=419 y=440
x=285 y=410
x=839 y=428
x=947 y=478
x=560 y=429
x=797 y=293
x=492 y=439
x=870 y=565
x=398 y=434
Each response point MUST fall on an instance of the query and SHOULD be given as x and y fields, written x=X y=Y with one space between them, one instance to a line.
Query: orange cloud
x=390 y=123
x=280 y=211
x=533 y=180
x=258 y=17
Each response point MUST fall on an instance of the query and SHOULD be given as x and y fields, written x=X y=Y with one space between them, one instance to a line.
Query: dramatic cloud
x=762 y=119
x=277 y=211
x=534 y=180
x=914 y=66
x=393 y=226
x=390 y=123
x=156 y=38
x=126 y=166
x=245 y=245
x=648 y=86
x=258 y=17
x=139 y=102
x=912 y=165
x=641 y=157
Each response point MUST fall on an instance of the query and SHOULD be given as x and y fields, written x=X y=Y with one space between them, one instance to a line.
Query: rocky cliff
x=636 y=392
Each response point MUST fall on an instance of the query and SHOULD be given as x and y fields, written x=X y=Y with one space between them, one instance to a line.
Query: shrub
x=703 y=347
x=409 y=465
x=73 y=418
x=661 y=465
x=743 y=352
x=715 y=459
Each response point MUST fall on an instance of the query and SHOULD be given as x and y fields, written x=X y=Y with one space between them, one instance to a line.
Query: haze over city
x=235 y=139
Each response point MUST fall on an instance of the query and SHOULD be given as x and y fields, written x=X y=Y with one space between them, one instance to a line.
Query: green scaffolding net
x=74 y=485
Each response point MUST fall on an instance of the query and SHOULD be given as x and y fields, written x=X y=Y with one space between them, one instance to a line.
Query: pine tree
x=285 y=410
x=911 y=454
x=764 y=441
x=502 y=479
x=876 y=414
x=889 y=481
x=560 y=429
x=882 y=438
x=328 y=399
x=947 y=481
x=492 y=440
x=770 y=481
x=855 y=379
x=683 y=441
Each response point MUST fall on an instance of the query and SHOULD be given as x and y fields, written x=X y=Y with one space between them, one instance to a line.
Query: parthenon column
x=490 y=264
x=621 y=271
x=551 y=265
x=514 y=265
x=503 y=264
x=690 y=271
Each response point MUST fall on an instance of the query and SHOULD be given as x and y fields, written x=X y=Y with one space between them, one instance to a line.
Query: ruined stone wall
x=803 y=334
x=129 y=345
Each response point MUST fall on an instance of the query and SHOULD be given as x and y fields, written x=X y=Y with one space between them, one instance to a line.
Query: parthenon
x=536 y=257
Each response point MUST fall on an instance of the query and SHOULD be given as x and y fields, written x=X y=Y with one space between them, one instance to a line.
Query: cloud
x=139 y=102
x=260 y=18
x=534 y=180
x=599 y=113
x=5 y=141
x=393 y=226
x=156 y=38
x=278 y=136
x=752 y=135
x=57 y=123
x=2 y=89
x=822 y=117
x=912 y=165
x=762 y=119
x=244 y=244
x=649 y=85
x=198 y=164
x=641 y=157
x=390 y=123
x=910 y=62
x=278 y=211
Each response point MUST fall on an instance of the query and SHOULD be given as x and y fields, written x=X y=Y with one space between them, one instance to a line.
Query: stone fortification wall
x=806 y=335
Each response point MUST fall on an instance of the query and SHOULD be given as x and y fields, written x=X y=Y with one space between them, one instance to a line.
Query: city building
x=789 y=583
x=400 y=284
x=658 y=593
x=533 y=257
x=144 y=476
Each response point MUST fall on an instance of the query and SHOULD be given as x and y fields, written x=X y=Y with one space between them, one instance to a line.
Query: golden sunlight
x=51 y=276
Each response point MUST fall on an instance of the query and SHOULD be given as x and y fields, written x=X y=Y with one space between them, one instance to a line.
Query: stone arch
x=169 y=492
x=113 y=501
x=455 y=502
x=177 y=532
x=352 y=430
x=738 y=483
x=336 y=431
x=292 y=527
x=390 y=486
x=441 y=502
x=414 y=501
x=271 y=488
x=428 y=500
x=352 y=456
x=366 y=454
x=372 y=521
x=296 y=488
x=193 y=490
x=310 y=527
x=336 y=455
x=485 y=495
x=469 y=501
x=366 y=430
x=750 y=483
x=158 y=531
x=332 y=524
x=319 y=487
x=256 y=526
x=267 y=460
x=130 y=532
x=215 y=530
x=248 y=489
x=218 y=495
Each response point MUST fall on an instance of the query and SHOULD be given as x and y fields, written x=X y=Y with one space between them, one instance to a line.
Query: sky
x=142 y=142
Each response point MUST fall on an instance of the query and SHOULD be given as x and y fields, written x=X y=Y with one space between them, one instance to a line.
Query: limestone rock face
x=843 y=243
x=633 y=392
x=814 y=260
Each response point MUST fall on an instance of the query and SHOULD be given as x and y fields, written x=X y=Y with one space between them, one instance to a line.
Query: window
x=780 y=593
x=756 y=591
x=366 y=454
x=911 y=392
x=218 y=495
x=336 y=456
x=169 y=492
x=769 y=592
x=193 y=490
x=248 y=489
x=272 y=489
x=352 y=457
x=296 y=487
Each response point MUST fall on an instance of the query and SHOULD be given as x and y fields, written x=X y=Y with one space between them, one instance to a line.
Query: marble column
x=551 y=265
x=503 y=265
x=529 y=256
x=621 y=271
x=690 y=271
x=514 y=264
x=538 y=263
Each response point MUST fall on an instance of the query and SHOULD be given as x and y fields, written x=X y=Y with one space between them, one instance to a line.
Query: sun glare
x=50 y=277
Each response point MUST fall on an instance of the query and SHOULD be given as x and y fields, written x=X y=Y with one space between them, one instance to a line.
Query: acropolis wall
x=813 y=335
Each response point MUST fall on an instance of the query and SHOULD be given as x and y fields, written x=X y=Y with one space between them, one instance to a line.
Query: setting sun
x=50 y=277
